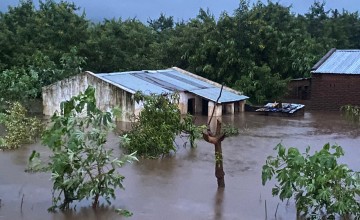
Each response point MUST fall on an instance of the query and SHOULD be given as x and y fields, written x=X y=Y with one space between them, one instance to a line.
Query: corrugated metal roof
x=168 y=81
x=134 y=83
x=213 y=93
x=341 y=62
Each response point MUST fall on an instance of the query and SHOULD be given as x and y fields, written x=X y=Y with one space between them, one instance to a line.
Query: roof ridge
x=348 y=50
x=344 y=61
x=323 y=59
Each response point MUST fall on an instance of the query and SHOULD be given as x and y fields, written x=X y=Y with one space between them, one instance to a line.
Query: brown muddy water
x=184 y=186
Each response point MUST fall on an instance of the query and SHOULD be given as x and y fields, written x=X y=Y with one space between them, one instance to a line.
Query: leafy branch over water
x=81 y=167
x=320 y=185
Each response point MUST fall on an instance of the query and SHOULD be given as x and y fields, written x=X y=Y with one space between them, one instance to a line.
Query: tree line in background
x=254 y=50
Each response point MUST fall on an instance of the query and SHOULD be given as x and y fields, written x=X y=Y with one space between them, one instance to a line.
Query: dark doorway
x=236 y=106
x=191 y=106
x=205 y=107
x=223 y=109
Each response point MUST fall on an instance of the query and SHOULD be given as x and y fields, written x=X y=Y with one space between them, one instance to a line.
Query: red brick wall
x=299 y=89
x=331 y=91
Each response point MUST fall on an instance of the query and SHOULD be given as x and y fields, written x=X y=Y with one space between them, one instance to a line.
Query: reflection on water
x=219 y=203
x=183 y=185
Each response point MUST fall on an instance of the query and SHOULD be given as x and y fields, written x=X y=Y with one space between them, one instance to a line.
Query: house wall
x=299 y=89
x=107 y=95
x=198 y=105
x=241 y=105
x=217 y=111
x=331 y=91
x=183 y=102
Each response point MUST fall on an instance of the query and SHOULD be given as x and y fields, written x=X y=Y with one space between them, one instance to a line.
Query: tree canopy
x=255 y=50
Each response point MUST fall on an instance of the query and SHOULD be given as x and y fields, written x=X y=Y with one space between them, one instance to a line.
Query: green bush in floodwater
x=322 y=188
x=154 y=130
x=19 y=128
x=81 y=167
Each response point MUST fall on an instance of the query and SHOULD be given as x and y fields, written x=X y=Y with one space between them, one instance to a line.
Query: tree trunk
x=216 y=140
x=219 y=170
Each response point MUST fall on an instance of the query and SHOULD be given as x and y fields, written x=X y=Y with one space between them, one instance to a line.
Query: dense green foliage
x=254 y=50
x=154 y=130
x=81 y=166
x=20 y=129
x=322 y=188
x=39 y=47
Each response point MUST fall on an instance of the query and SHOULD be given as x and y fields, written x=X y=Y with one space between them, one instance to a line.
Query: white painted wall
x=107 y=95
x=60 y=91
x=183 y=102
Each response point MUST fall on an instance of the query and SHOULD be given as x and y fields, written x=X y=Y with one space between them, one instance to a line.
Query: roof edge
x=69 y=77
x=323 y=59
x=110 y=82
x=206 y=80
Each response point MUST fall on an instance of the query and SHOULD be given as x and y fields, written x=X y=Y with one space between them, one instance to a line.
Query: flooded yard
x=184 y=186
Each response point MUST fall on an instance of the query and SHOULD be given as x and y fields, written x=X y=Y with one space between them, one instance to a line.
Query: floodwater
x=183 y=186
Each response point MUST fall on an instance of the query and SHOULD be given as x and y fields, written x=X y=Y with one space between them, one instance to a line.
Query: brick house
x=336 y=80
x=299 y=89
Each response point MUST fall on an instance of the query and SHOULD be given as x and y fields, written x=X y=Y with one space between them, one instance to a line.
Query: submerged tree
x=81 y=166
x=154 y=130
x=321 y=187
x=216 y=139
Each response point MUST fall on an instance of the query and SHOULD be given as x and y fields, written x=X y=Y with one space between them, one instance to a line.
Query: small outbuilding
x=299 y=89
x=336 y=80
x=197 y=94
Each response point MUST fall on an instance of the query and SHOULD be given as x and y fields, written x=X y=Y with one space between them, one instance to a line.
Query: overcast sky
x=97 y=10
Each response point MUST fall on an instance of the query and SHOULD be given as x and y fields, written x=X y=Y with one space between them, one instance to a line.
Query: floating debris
x=281 y=109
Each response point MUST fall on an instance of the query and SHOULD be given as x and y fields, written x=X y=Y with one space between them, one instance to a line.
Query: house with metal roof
x=198 y=95
x=336 y=80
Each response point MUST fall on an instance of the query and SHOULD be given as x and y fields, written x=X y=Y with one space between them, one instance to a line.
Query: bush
x=229 y=130
x=320 y=186
x=81 y=167
x=19 y=128
x=154 y=130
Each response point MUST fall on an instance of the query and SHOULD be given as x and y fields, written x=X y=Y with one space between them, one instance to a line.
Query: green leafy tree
x=81 y=166
x=24 y=84
x=49 y=72
x=53 y=29
x=265 y=37
x=38 y=47
x=117 y=45
x=261 y=85
x=320 y=185
x=154 y=130
x=19 y=84
x=163 y=23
